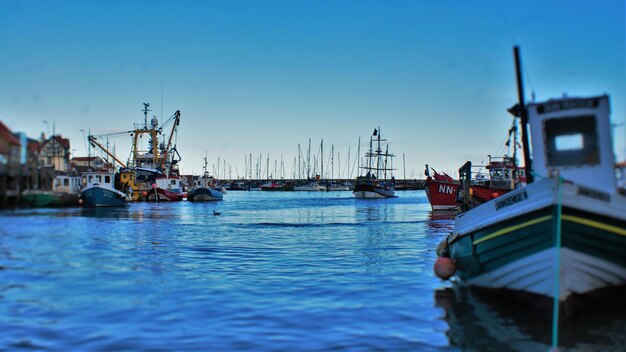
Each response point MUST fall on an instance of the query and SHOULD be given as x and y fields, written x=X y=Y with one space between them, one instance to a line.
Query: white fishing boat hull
x=521 y=225
x=580 y=273
x=369 y=195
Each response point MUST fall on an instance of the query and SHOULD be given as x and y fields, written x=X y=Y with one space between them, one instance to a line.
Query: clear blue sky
x=262 y=76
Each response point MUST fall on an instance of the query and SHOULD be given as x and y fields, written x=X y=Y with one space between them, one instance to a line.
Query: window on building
x=572 y=141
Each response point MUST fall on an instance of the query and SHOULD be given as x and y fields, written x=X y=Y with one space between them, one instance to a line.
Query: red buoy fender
x=444 y=268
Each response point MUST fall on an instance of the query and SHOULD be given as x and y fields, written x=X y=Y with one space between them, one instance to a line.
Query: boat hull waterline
x=96 y=196
x=205 y=195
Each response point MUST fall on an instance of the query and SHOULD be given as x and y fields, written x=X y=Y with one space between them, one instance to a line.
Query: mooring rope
x=557 y=267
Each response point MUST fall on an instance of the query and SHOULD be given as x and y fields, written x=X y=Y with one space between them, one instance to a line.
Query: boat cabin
x=573 y=136
x=205 y=182
x=67 y=184
x=170 y=183
x=502 y=172
x=98 y=178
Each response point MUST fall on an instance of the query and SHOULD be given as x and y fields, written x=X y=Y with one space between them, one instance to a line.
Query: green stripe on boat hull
x=480 y=252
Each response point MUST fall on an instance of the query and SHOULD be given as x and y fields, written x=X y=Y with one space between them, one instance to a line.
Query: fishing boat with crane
x=378 y=181
x=561 y=236
x=152 y=171
x=100 y=186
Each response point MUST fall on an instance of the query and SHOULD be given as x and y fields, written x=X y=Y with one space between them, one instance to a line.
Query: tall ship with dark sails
x=378 y=181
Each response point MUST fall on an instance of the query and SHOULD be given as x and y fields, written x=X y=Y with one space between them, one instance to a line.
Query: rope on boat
x=557 y=266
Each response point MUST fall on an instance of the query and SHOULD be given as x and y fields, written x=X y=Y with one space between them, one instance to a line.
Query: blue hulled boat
x=206 y=188
x=100 y=191
x=203 y=194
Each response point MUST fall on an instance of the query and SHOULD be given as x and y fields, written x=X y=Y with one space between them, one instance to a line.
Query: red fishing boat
x=166 y=188
x=504 y=176
x=441 y=190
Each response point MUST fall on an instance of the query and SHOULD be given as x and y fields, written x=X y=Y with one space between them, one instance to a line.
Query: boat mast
x=515 y=147
x=370 y=156
x=378 y=154
x=523 y=116
x=322 y=160
x=205 y=161
x=404 y=165
x=332 y=161
x=145 y=115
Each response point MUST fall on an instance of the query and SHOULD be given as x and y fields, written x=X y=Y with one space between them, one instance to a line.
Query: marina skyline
x=261 y=77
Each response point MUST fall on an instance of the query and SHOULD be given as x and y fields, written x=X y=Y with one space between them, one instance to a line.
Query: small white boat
x=309 y=187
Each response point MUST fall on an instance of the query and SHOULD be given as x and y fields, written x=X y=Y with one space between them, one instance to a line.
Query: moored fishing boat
x=338 y=186
x=206 y=188
x=275 y=186
x=152 y=172
x=563 y=235
x=166 y=188
x=441 y=190
x=310 y=186
x=504 y=175
x=375 y=184
x=99 y=190
x=65 y=192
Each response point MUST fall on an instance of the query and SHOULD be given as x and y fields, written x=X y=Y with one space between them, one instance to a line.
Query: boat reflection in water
x=105 y=212
x=484 y=320
x=441 y=221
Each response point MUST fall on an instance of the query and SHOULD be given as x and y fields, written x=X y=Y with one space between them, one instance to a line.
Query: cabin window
x=173 y=182
x=98 y=179
x=90 y=179
x=568 y=142
x=572 y=141
x=506 y=174
x=66 y=182
x=107 y=179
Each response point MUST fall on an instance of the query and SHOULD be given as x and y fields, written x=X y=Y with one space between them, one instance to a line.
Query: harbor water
x=274 y=271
